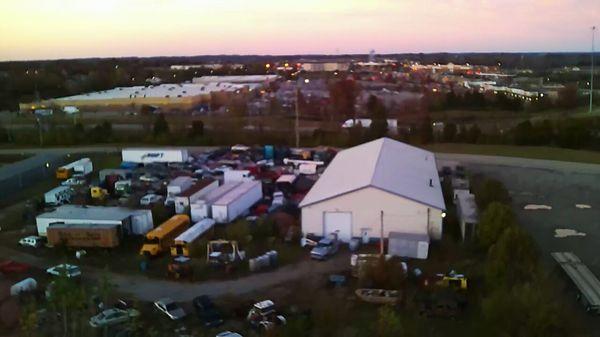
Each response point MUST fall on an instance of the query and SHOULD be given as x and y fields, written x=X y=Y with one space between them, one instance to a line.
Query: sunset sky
x=50 y=29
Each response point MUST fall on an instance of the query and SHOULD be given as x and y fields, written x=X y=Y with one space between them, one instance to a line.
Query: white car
x=32 y=241
x=170 y=308
x=74 y=181
x=150 y=199
x=68 y=270
x=148 y=179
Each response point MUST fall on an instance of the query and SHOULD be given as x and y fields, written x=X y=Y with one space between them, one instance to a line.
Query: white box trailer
x=237 y=201
x=58 y=195
x=202 y=208
x=149 y=155
x=197 y=191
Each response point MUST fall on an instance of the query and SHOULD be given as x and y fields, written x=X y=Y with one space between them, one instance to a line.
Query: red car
x=13 y=267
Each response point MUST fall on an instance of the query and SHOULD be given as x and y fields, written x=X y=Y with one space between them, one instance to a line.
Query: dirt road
x=148 y=289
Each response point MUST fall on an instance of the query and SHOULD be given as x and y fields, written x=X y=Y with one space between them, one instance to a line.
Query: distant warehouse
x=130 y=221
x=181 y=96
x=375 y=189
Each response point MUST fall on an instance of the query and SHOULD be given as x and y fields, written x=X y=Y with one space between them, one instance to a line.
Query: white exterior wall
x=399 y=214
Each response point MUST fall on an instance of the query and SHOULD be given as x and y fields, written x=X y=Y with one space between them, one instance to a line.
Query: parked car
x=208 y=313
x=112 y=317
x=74 y=181
x=228 y=334
x=68 y=270
x=263 y=316
x=325 y=248
x=170 y=308
x=32 y=241
x=148 y=179
x=150 y=199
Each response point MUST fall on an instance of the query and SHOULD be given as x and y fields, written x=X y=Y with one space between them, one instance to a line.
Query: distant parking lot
x=561 y=186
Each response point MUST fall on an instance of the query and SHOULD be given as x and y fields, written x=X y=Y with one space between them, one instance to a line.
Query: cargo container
x=161 y=238
x=201 y=208
x=82 y=166
x=84 y=235
x=237 y=201
x=198 y=190
x=185 y=239
x=58 y=195
x=149 y=155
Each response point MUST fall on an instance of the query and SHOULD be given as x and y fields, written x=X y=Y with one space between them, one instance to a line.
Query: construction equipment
x=223 y=252
x=452 y=281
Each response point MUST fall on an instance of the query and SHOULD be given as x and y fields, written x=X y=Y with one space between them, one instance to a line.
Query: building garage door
x=340 y=222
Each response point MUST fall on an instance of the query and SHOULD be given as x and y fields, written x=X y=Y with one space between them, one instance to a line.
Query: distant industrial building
x=237 y=79
x=316 y=66
x=165 y=96
x=212 y=66
x=374 y=189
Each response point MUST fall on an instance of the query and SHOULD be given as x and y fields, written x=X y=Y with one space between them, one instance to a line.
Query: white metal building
x=133 y=221
x=382 y=182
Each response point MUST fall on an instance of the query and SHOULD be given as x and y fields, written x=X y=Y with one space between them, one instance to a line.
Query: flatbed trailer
x=587 y=283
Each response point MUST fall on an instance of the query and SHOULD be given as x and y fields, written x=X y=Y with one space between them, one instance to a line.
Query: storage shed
x=382 y=183
x=408 y=245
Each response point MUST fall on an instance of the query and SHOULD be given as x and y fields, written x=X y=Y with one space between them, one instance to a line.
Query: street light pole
x=592 y=71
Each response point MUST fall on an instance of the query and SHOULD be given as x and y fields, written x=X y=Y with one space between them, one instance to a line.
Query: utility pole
x=381 y=248
x=297 y=122
x=592 y=71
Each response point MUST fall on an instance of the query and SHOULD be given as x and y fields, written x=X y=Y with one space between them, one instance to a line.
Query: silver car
x=170 y=308
x=112 y=317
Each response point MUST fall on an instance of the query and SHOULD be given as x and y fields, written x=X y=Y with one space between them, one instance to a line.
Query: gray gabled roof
x=385 y=164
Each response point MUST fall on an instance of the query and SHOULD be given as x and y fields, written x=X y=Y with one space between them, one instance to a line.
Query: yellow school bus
x=161 y=238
